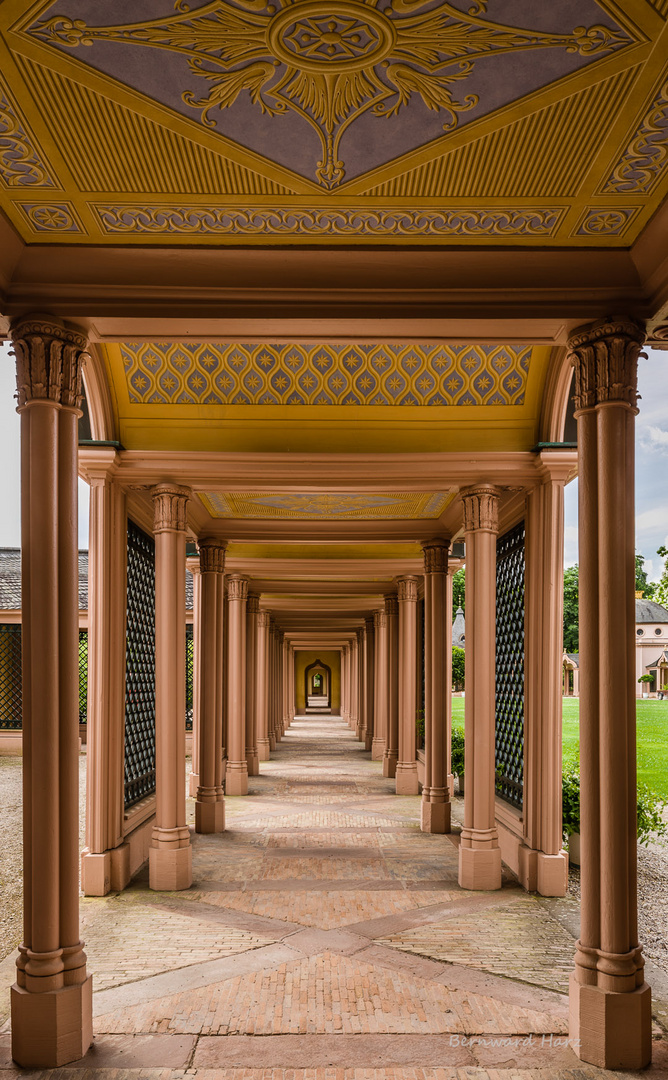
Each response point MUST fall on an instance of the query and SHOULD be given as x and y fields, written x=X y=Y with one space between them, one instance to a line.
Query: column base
x=95 y=873
x=54 y=1028
x=406 y=778
x=193 y=784
x=209 y=817
x=170 y=869
x=612 y=1031
x=272 y=742
x=480 y=868
x=252 y=763
x=263 y=749
x=377 y=749
x=552 y=874
x=434 y=816
x=236 y=778
x=390 y=763
x=368 y=741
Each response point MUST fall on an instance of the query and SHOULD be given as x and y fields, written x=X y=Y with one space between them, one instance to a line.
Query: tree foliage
x=571 y=617
x=458 y=591
x=458 y=667
x=642 y=584
x=660 y=594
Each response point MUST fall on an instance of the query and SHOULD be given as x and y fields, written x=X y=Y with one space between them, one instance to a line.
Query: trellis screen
x=83 y=676
x=510 y=666
x=140 y=667
x=11 y=695
x=190 y=659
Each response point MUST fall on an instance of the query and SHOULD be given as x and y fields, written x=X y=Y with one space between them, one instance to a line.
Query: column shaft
x=406 y=767
x=479 y=852
x=392 y=746
x=438 y=681
x=236 y=777
x=209 y=806
x=380 y=684
x=252 y=616
x=369 y=659
x=261 y=676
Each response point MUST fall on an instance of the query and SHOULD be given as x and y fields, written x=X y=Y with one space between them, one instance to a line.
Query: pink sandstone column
x=51 y=1001
x=354 y=684
x=479 y=852
x=369 y=687
x=380 y=683
x=210 y=805
x=284 y=680
x=345 y=683
x=610 y=1001
x=261 y=687
x=291 y=676
x=406 y=768
x=105 y=859
x=543 y=865
x=236 y=776
x=170 y=853
x=392 y=747
x=361 y=684
x=252 y=616
x=271 y=682
x=192 y=564
x=438 y=684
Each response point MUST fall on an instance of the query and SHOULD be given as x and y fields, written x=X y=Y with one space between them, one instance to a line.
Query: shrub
x=457 y=745
x=419 y=728
x=458 y=667
x=650 y=809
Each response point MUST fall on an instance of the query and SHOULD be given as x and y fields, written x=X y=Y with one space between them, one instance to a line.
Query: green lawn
x=652 y=738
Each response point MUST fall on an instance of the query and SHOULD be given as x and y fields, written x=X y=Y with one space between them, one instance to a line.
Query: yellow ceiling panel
x=313 y=506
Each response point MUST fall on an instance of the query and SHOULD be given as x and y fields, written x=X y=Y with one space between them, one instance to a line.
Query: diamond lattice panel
x=510 y=666
x=140 y=667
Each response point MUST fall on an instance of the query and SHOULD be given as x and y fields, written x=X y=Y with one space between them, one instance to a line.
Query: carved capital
x=481 y=508
x=49 y=358
x=436 y=556
x=369 y=624
x=237 y=587
x=379 y=620
x=264 y=619
x=391 y=606
x=359 y=634
x=407 y=590
x=605 y=357
x=211 y=555
x=253 y=604
x=169 y=508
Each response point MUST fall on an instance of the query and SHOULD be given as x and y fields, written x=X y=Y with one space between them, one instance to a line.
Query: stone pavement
x=326 y=938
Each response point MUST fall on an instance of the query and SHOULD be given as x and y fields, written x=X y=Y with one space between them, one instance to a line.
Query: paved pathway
x=326 y=938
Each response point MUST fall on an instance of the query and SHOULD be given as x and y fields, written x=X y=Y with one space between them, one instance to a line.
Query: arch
x=318 y=667
x=556 y=397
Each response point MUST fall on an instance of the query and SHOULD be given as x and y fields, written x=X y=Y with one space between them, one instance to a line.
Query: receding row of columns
x=51 y=1000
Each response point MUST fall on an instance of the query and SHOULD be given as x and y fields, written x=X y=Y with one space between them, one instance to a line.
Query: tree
x=458 y=591
x=571 y=614
x=660 y=594
x=642 y=584
x=458 y=667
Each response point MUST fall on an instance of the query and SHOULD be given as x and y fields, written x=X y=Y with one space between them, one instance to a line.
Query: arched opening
x=318 y=687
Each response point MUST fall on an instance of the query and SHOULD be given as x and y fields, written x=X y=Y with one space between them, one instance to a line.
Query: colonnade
x=51 y=1000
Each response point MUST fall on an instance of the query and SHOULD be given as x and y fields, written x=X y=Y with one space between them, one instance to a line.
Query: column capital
x=605 y=357
x=407 y=590
x=436 y=556
x=379 y=620
x=49 y=358
x=264 y=619
x=253 y=604
x=391 y=605
x=369 y=624
x=212 y=555
x=359 y=634
x=481 y=508
x=169 y=507
x=237 y=587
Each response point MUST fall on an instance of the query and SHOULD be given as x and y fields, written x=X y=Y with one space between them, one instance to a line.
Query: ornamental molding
x=253 y=604
x=169 y=508
x=49 y=358
x=21 y=162
x=639 y=167
x=237 y=587
x=407 y=590
x=212 y=555
x=436 y=556
x=391 y=606
x=481 y=508
x=605 y=357
x=329 y=63
x=485 y=221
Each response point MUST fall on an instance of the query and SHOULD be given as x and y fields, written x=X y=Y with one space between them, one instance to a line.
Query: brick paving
x=325 y=938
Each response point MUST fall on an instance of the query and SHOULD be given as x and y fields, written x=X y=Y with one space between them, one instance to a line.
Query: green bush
x=458 y=667
x=419 y=728
x=457 y=745
x=650 y=809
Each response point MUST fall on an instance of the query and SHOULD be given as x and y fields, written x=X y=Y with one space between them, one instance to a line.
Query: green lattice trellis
x=510 y=666
x=140 y=667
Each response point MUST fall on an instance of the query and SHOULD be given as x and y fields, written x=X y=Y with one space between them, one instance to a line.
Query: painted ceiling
x=498 y=121
x=310 y=506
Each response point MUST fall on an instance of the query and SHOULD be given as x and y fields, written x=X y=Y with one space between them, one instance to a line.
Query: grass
x=652 y=738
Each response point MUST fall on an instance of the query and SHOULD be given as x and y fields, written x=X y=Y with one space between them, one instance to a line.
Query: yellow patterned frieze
x=188 y=373
x=312 y=506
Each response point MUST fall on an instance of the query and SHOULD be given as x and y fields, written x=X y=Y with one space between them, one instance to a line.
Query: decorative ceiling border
x=330 y=507
x=638 y=170
x=22 y=164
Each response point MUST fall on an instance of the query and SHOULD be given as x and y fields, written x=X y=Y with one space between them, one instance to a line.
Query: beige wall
x=304 y=660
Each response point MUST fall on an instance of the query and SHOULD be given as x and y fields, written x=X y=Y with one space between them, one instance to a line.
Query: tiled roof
x=10 y=581
x=649 y=612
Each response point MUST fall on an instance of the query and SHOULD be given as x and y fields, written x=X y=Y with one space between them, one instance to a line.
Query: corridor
x=325 y=931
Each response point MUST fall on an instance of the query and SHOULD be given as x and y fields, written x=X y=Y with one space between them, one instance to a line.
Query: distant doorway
x=318 y=687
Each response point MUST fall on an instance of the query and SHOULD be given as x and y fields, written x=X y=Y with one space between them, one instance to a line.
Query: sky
x=651 y=467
